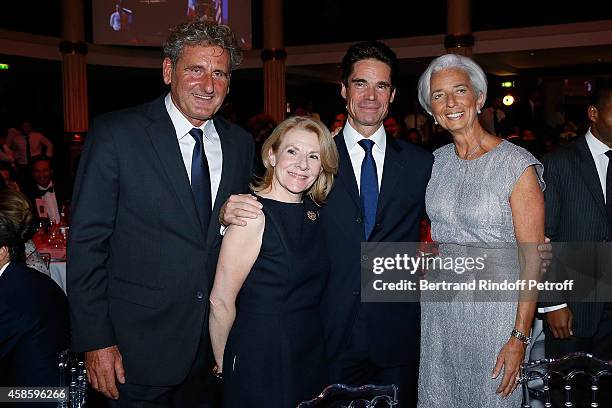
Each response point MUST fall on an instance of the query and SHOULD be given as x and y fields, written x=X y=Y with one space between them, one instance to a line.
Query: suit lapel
x=346 y=175
x=163 y=138
x=391 y=172
x=589 y=174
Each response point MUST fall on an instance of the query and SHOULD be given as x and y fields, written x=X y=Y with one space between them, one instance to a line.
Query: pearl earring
x=478 y=111
x=435 y=122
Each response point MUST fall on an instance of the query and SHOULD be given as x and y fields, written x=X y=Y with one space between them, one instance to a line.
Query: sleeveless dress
x=275 y=356
x=468 y=204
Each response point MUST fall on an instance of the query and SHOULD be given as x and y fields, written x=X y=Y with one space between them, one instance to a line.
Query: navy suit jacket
x=33 y=327
x=576 y=212
x=140 y=265
x=393 y=328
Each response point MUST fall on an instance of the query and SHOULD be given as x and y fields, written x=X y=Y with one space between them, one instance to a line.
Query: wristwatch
x=522 y=337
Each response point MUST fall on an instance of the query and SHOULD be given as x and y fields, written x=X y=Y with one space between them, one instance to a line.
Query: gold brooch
x=312 y=215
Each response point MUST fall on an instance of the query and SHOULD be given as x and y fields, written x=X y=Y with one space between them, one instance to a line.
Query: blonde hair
x=329 y=156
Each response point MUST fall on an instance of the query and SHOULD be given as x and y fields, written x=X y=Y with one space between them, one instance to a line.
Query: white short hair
x=478 y=79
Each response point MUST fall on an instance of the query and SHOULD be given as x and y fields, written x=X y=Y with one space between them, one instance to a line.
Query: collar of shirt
x=596 y=146
x=352 y=138
x=4 y=268
x=38 y=186
x=182 y=126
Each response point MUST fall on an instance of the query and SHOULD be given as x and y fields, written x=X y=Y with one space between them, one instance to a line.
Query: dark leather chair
x=343 y=396
x=540 y=378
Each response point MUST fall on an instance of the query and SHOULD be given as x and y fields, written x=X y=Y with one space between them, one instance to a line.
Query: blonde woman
x=265 y=325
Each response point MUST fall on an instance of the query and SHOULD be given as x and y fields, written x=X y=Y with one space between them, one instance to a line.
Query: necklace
x=471 y=153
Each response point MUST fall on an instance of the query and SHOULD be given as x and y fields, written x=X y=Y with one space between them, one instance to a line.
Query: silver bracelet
x=522 y=337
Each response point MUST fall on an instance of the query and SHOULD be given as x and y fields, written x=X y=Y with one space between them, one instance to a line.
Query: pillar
x=74 y=79
x=273 y=56
x=459 y=38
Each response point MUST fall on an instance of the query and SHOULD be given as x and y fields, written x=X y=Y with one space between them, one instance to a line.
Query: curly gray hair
x=478 y=79
x=201 y=33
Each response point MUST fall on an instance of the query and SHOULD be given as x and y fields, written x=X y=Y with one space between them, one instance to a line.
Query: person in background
x=5 y=175
x=144 y=236
x=20 y=211
x=414 y=136
x=392 y=127
x=115 y=18
x=493 y=116
x=338 y=122
x=34 y=325
x=416 y=119
x=260 y=126
x=26 y=144
x=6 y=154
x=484 y=192
x=579 y=209
x=44 y=193
x=271 y=275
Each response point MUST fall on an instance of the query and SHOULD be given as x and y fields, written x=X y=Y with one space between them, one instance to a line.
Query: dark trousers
x=600 y=345
x=355 y=368
x=196 y=391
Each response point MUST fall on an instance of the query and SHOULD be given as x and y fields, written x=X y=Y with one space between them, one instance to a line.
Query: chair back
x=73 y=375
x=343 y=396
x=539 y=377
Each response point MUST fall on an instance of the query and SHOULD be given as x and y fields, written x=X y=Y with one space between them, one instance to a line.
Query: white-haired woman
x=484 y=192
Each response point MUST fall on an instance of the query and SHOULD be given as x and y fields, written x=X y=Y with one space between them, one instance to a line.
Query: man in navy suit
x=374 y=343
x=578 y=199
x=579 y=209
x=143 y=239
x=378 y=196
x=33 y=315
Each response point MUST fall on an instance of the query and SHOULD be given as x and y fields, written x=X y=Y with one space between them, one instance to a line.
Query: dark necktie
x=200 y=178
x=369 y=186
x=609 y=194
x=28 y=151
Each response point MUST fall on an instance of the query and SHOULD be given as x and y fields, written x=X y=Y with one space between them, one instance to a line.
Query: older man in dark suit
x=579 y=208
x=144 y=241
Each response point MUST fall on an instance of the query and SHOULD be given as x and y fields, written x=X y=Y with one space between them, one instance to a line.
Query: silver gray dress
x=468 y=204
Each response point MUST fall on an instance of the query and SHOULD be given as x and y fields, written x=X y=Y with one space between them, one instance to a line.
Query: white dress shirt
x=212 y=145
x=357 y=153
x=49 y=200
x=17 y=142
x=598 y=150
x=4 y=268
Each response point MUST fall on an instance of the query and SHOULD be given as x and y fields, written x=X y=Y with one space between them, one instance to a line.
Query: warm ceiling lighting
x=508 y=100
